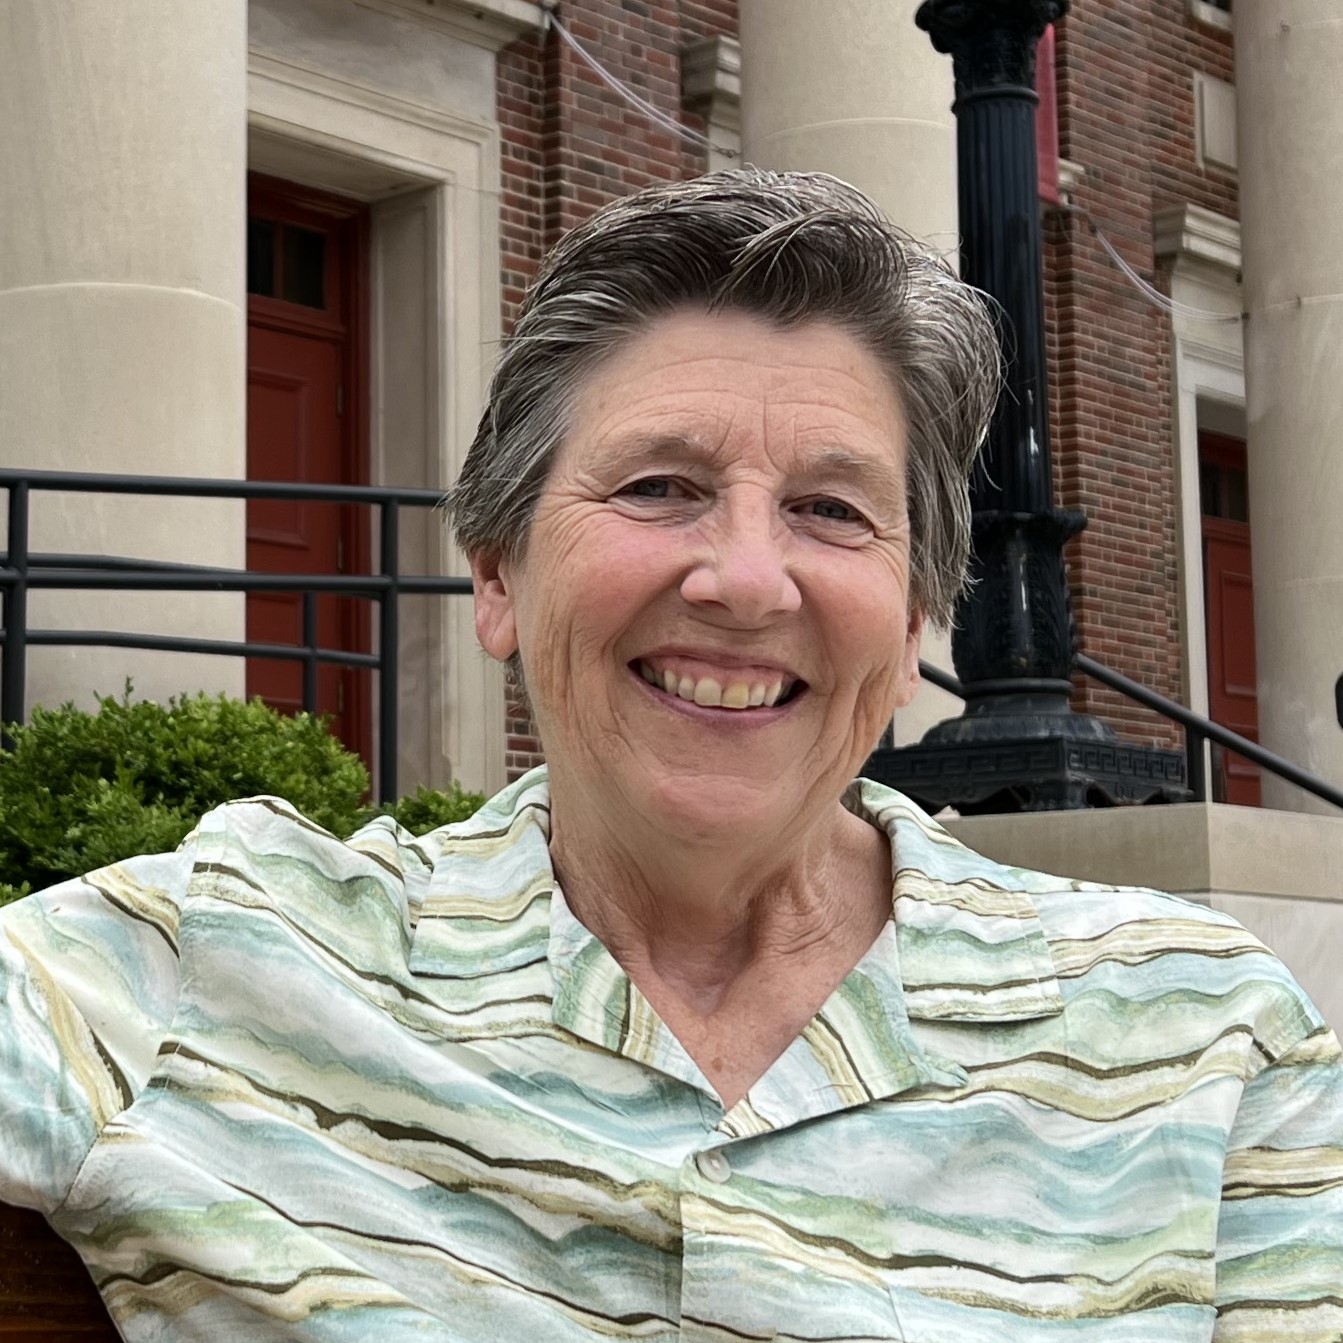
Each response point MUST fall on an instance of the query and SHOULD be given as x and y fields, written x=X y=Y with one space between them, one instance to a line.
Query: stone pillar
x=852 y=87
x=1288 y=57
x=123 y=310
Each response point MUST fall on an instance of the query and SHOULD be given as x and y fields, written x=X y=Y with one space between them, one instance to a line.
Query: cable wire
x=654 y=114
x=1150 y=292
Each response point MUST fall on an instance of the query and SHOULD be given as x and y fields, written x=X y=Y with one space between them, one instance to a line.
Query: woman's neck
x=705 y=922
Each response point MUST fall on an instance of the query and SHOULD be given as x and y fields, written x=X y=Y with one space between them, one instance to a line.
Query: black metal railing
x=21 y=571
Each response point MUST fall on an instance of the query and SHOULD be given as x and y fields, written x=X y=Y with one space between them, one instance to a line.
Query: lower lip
x=721 y=718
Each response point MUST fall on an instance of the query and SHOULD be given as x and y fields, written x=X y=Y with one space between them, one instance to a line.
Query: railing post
x=1195 y=773
x=13 y=673
x=310 y=652
x=389 y=633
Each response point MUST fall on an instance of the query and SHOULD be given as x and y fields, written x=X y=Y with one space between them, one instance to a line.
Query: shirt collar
x=971 y=945
x=964 y=945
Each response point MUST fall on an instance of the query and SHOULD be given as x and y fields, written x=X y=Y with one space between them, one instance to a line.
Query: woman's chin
x=704 y=807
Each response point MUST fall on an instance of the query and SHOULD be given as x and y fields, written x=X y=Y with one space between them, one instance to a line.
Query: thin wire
x=1153 y=295
x=654 y=114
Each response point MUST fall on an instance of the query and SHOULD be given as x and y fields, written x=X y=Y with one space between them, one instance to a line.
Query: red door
x=304 y=409
x=1229 y=598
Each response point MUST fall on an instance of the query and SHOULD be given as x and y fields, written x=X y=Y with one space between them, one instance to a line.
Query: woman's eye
x=654 y=487
x=833 y=510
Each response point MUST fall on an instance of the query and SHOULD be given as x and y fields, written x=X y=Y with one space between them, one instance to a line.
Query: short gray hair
x=787 y=247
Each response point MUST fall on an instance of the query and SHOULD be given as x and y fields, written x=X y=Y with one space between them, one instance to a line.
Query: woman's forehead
x=701 y=387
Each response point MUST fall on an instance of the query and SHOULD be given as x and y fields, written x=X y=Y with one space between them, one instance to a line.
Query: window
x=287 y=262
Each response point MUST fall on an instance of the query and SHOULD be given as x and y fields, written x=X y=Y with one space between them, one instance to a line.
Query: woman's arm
x=88 y=987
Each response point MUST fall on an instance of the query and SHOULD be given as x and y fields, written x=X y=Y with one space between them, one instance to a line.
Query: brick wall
x=1126 y=112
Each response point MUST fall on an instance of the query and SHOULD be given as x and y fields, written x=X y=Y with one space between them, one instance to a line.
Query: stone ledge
x=711 y=79
x=1188 y=849
x=487 y=23
x=1189 y=232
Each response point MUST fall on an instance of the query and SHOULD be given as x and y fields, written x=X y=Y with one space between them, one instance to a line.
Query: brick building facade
x=1126 y=102
x=1126 y=94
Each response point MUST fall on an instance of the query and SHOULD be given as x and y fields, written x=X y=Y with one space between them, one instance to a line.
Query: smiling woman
x=688 y=1035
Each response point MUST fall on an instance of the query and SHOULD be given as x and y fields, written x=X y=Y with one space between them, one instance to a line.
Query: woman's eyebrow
x=642 y=446
x=876 y=475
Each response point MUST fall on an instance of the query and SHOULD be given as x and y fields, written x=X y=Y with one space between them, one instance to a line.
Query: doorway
x=1233 y=696
x=307 y=361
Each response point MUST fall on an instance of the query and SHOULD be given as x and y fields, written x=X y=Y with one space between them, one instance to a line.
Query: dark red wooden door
x=1233 y=693
x=304 y=400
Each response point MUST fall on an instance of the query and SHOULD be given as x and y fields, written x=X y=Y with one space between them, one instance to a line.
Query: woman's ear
x=496 y=618
x=909 y=661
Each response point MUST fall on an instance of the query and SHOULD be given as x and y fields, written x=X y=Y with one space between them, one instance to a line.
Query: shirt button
x=713 y=1166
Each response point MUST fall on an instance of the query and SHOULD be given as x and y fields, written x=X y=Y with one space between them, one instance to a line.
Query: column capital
x=991 y=42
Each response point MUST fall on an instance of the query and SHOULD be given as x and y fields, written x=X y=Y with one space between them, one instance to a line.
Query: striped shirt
x=280 y=1086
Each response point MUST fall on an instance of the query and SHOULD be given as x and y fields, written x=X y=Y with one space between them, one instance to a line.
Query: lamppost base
x=1073 y=762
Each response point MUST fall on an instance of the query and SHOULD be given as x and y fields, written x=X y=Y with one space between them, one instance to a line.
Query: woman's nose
x=745 y=566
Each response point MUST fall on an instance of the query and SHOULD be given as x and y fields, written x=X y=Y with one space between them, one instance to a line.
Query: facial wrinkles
x=738 y=383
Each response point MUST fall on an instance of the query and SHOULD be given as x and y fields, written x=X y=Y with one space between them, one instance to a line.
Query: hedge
x=79 y=790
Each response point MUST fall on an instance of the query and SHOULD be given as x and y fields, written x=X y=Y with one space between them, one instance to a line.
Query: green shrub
x=426 y=808
x=80 y=790
x=10 y=893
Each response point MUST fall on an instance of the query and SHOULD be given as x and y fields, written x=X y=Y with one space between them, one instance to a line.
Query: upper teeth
x=711 y=692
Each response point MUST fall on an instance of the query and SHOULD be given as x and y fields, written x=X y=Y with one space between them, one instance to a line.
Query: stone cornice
x=486 y=23
x=711 y=79
x=1191 y=233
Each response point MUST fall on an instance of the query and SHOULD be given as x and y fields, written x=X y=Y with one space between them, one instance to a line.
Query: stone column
x=852 y=87
x=1290 y=130
x=123 y=309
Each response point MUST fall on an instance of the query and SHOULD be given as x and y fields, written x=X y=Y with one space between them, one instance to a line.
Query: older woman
x=686 y=1036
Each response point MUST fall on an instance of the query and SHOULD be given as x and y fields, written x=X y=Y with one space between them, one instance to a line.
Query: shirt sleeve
x=88 y=987
x=1280 y=1233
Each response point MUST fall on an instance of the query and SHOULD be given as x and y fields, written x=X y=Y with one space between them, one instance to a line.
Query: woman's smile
x=727 y=694
x=710 y=684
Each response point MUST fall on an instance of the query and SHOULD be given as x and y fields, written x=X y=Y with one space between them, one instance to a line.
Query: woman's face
x=713 y=607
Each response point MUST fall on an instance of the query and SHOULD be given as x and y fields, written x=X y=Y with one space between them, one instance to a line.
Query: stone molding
x=1071 y=174
x=486 y=23
x=265 y=71
x=1190 y=233
x=711 y=80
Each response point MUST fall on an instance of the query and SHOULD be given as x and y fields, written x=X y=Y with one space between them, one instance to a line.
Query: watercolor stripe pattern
x=279 y=1086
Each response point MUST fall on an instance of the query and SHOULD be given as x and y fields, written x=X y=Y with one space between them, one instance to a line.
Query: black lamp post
x=1018 y=746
